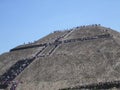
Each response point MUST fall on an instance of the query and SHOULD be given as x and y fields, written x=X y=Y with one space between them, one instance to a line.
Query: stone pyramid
x=82 y=58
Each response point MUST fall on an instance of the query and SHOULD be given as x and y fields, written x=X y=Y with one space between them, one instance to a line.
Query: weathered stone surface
x=84 y=55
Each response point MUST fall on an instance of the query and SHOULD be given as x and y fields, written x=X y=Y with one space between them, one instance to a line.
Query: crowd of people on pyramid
x=7 y=78
x=15 y=70
x=79 y=39
x=58 y=41
x=87 y=38
x=19 y=66
x=99 y=85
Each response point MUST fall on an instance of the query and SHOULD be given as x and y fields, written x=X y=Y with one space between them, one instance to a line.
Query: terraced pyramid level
x=85 y=57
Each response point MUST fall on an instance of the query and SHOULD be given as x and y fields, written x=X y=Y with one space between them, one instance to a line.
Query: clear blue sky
x=28 y=20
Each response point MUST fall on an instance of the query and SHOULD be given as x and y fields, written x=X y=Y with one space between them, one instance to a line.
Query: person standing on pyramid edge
x=14 y=85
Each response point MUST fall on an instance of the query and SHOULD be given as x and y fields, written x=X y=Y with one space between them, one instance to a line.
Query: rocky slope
x=81 y=56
